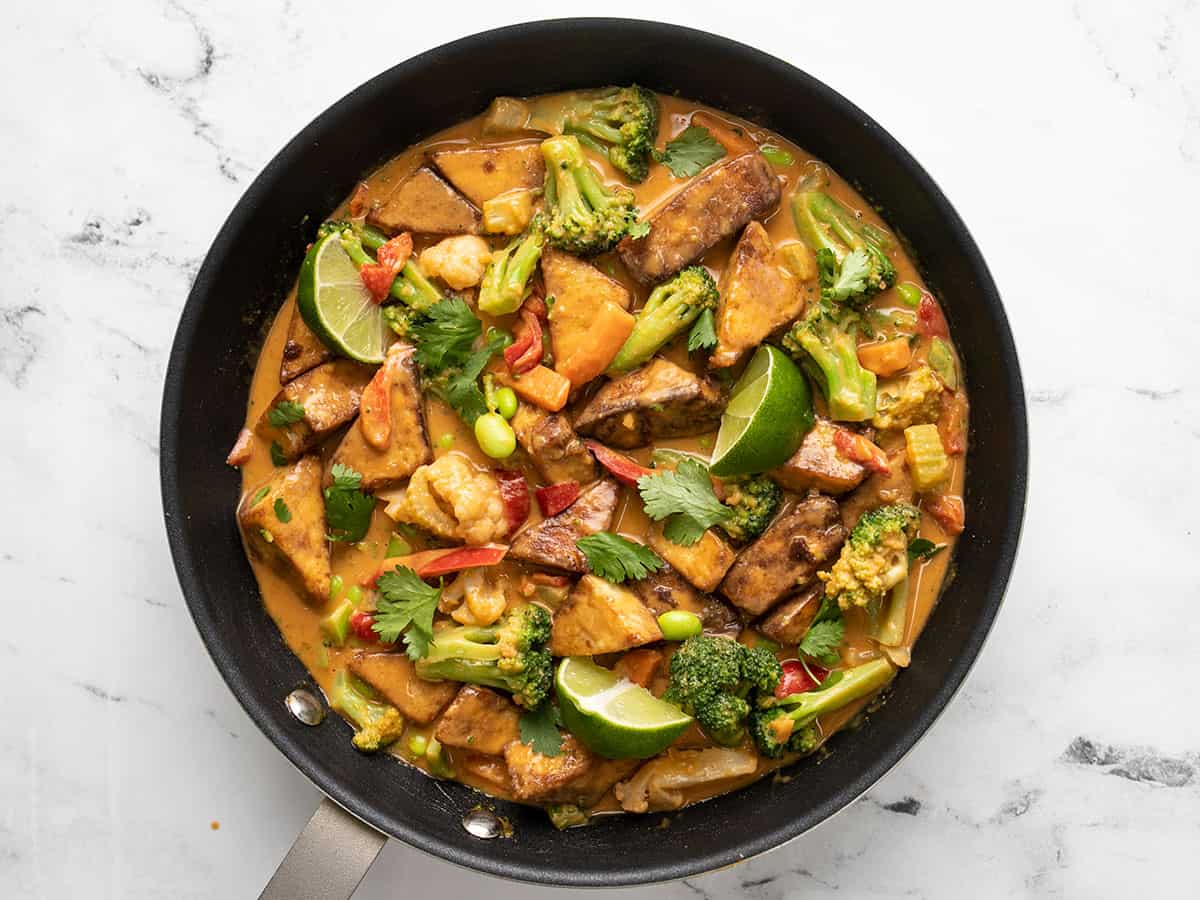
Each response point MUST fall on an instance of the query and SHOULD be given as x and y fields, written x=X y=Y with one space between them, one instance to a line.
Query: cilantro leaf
x=703 y=335
x=406 y=605
x=347 y=508
x=686 y=495
x=277 y=457
x=616 y=559
x=445 y=337
x=822 y=640
x=539 y=729
x=459 y=387
x=691 y=152
x=922 y=548
x=282 y=513
x=638 y=230
x=284 y=413
x=846 y=281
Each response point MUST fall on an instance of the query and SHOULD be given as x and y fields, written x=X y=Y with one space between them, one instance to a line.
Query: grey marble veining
x=1068 y=136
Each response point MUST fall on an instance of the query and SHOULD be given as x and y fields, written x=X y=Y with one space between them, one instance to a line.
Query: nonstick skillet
x=250 y=267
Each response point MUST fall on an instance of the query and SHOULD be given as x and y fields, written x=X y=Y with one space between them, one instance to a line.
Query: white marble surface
x=1068 y=136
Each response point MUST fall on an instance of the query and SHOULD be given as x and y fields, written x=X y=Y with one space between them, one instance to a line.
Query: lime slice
x=613 y=716
x=769 y=412
x=337 y=307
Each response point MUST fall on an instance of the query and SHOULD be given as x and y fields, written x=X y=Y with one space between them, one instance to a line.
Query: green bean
x=776 y=156
x=495 y=436
x=679 y=624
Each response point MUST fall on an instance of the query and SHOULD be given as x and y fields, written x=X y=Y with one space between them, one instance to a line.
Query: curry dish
x=607 y=455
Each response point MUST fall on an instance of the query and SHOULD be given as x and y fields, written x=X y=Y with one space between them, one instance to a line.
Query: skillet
x=250 y=267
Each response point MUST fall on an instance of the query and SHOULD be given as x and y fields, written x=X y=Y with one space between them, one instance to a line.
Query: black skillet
x=248 y=271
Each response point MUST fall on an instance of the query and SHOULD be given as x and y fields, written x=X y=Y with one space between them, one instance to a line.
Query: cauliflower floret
x=477 y=598
x=912 y=399
x=875 y=557
x=459 y=261
x=453 y=499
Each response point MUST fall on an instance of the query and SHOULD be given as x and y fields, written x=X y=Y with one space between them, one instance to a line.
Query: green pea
x=418 y=744
x=446 y=441
x=679 y=624
x=495 y=436
x=910 y=294
x=776 y=156
x=398 y=546
x=335 y=587
x=506 y=402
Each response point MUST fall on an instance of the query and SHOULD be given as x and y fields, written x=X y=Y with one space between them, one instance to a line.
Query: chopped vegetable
x=857 y=448
x=927 y=460
x=515 y=493
x=540 y=386
x=554 y=498
x=623 y=468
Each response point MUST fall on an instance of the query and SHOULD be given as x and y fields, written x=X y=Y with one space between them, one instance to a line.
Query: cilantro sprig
x=347 y=507
x=825 y=635
x=685 y=498
x=703 y=335
x=923 y=548
x=539 y=729
x=284 y=413
x=406 y=606
x=444 y=338
x=459 y=387
x=691 y=152
x=618 y=559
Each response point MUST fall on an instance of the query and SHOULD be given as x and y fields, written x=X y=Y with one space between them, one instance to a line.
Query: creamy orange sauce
x=299 y=622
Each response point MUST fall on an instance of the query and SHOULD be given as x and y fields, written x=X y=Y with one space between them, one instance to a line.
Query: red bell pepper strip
x=432 y=563
x=526 y=351
x=536 y=305
x=948 y=510
x=930 y=321
x=391 y=257
x=361 y=623
x=857 y=448
x=554 y=498
x=625 y=470
x=515 y=494
x=797 y=679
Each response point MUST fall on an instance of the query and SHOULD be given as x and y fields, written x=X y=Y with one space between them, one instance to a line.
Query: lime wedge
x=769 y=412
x=334 y=303
x=613 y=716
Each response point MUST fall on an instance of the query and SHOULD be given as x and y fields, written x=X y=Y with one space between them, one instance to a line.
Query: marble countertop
x=1068 y=136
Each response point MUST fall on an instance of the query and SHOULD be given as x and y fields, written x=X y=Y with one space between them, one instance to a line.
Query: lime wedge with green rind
x=770 y=410
x=336 y=305
x=614 y=717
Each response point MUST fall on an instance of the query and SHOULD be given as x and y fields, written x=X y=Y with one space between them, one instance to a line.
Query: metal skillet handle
x=328 y=859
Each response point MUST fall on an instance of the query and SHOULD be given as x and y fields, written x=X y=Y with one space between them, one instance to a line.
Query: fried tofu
x=788 y=622
x=703 y=564
x=804 y=539
x=481 y=720
x=296 y=547
x=303 y=349
x=601 y=617
x=552 y=445
x=423 y=202
x=481 y=173
x=666 y=589
x=408 y=445
x=589 y=319
x=329 y=394
x=395 y=677
x=552 y=542
x=536 y=777
x=757 y=297
x=709 y=209
x=659 y=400
x=817 y=465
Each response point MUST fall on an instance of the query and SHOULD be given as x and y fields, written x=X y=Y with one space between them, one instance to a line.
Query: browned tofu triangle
x=425 y=203
x=482 y=173
x=395 y=677
x=330 y=395
x=601 y=617
x=552 y=542
x=303 y=349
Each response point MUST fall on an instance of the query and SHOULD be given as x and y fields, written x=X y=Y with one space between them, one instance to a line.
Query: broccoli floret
x=789 y=725
x=508 y=655
x=401 y=319
x=719 y=681
x=852 y=259
x=583 y=215
x=670 y=309
x=411 y=287
x=912 y=399
x=874 y=558
x=378 y=723
x=754 y=500
x=621 y=122
x=506 y=281
x=826 y=345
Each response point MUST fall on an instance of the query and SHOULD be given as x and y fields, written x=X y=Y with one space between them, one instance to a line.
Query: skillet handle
x=329 y=858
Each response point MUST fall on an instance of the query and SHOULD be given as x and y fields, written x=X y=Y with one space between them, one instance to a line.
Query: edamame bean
x=679 y=624
x=495 y=436
x=910 y=294
x=506 y=402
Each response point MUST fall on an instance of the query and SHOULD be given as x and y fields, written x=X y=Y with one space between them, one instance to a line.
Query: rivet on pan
x=483 y=823
x=305 y=706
